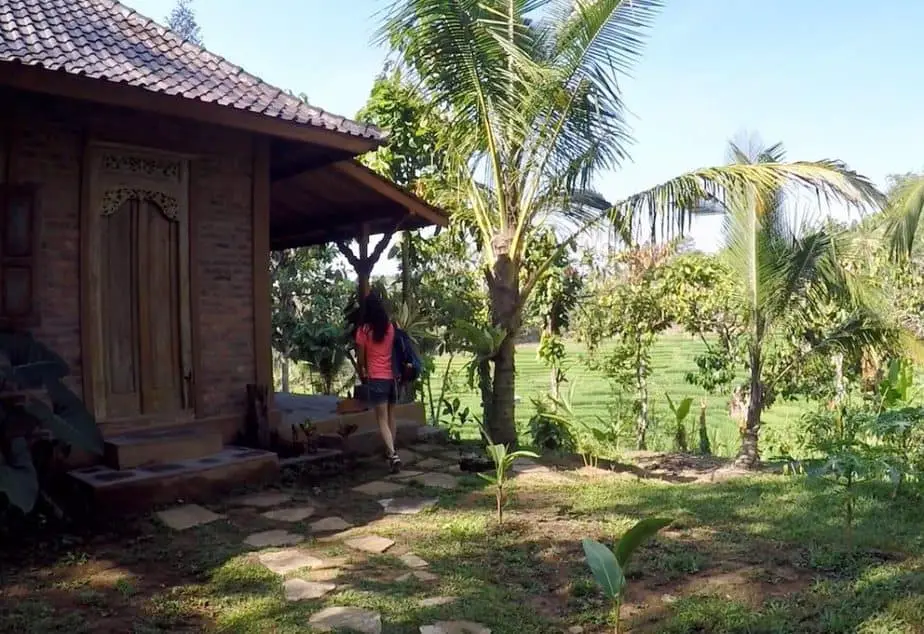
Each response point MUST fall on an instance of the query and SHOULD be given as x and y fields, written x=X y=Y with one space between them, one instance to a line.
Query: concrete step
x=194 y=479
x=368 y=442
x=149 y=447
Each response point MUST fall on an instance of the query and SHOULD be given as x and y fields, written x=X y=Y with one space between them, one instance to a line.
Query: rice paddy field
x=672 y=358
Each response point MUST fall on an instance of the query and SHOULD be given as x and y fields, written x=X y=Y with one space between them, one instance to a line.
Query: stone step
x=194 y=479
x=137 y=449
x=368 y=442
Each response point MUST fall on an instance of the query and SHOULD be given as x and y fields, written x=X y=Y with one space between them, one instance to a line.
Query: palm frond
x=674 y=201
x=904 y=217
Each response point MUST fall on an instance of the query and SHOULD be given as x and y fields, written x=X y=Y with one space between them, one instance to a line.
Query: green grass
x=758 y=555
x=672 y=358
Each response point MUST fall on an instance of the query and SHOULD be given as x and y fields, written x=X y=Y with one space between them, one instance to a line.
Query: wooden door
x=141 y=311
x=136 y=249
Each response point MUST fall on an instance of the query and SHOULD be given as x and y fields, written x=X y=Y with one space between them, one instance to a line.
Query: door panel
x=162 y=375
x=141 y=311
x=119 y=259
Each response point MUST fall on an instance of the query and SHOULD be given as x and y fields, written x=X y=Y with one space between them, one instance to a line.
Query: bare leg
x=392 y=425
x=382 y=416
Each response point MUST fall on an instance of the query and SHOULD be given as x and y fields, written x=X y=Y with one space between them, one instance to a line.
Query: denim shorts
x=379 y=391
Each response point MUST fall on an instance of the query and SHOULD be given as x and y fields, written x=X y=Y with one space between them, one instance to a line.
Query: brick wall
x=47 y=149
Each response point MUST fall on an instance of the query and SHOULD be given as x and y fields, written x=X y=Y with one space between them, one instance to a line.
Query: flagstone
x=330 y=524
x=273 y=538
x=187 y=516
x=413 y=561
x=347 y=618
x=300 y=590
x=438 y=480
x=294 y=514
x=404 y=474
x=379 y=487
x=454 y=627
x=420 y=575
x=435 y=602
x=407 y=456
x=431 y=463
x=283 y=562
x=407 y=506
x=263 y=500
x=371 y=544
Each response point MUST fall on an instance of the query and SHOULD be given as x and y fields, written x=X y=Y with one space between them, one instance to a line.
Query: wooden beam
x=262 y=335
x=391 y=191
x=84 y=88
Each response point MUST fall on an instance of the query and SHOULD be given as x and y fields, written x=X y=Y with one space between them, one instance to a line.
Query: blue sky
x=829 y=78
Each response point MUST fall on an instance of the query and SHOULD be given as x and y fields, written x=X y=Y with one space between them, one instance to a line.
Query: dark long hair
x=375 y=316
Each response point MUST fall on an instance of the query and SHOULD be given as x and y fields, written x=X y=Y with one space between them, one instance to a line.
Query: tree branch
x=351 y=258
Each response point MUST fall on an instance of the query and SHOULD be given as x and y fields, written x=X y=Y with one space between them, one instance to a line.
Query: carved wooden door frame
x=113 y=175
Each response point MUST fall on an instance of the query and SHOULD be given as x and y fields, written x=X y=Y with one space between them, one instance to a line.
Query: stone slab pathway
x=330 y=525
x=432 y=463
x=379 y=487
x=301 y=590
x=407 y=506
x=435 y=602
x=265 y=539
x=294 y=514
x=187 y=516
x=347 y=618
x=371 y=544
x=420 y=575
x=282 y=562
x=413 y=561
x=263 y=500
x=455 y=627
x=438 y=480
x=404 y=474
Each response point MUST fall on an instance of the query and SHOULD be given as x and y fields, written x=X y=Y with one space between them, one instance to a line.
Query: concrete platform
x=195 y=479
x=129 y=451
x=321 y=411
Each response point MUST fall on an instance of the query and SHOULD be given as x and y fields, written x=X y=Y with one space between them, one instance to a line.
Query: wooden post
x=363 y=263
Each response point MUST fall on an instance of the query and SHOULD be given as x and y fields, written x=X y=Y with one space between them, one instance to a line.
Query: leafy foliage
x=531 y=94
x=182 y=21
x=36 y=409
x=548 y=431
x=608 y=568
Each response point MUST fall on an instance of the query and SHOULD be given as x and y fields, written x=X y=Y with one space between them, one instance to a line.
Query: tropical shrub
x=547 y=431
x=38 y=415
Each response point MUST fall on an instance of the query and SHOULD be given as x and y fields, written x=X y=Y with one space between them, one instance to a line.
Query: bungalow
x=144 y=182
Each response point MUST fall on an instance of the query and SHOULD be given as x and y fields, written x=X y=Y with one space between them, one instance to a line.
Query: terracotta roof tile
x=106 y=40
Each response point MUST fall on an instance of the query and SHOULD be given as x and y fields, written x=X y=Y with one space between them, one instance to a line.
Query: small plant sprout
x=680 y=412
x=503 y=460
x=609 y=568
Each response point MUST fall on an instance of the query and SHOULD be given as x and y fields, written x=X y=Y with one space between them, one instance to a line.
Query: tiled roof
x=106 y=40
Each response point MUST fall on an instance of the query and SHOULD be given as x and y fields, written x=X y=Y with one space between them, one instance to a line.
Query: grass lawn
x=672 y=359
x=759 y=555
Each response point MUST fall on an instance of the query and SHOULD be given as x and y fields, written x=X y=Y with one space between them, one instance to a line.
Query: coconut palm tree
x=791 y=274
x=904 y=211
x=531 y=91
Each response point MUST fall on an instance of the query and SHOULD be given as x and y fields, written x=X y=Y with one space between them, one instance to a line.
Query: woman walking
x=375 y=338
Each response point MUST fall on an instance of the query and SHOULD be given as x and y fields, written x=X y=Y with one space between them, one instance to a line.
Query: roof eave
x=99 y=90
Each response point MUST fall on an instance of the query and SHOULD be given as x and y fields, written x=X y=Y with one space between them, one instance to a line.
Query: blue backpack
x=404 y=359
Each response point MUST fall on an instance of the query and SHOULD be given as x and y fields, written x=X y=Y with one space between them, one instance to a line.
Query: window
x=18 y=255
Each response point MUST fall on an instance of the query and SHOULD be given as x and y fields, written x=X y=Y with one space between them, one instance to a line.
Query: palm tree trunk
x=504 y=288
x=748 y=455
x=486 y=386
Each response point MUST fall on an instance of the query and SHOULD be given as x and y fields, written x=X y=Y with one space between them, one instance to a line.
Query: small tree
x=182 y=21
x=630 y=308
x=706 y=300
